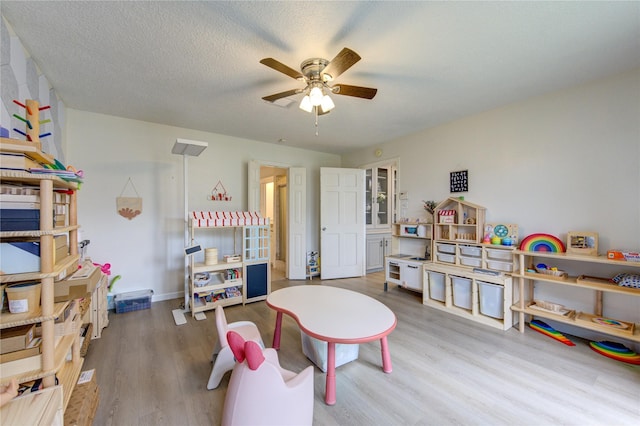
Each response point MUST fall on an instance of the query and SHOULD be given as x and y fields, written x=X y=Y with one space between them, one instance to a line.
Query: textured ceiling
x=196 y=64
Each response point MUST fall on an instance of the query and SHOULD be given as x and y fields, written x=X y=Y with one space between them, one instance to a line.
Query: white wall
x=147 y=251
x=565 y=161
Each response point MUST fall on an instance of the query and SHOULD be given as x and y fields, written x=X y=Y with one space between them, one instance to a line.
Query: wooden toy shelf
x=251 y=281
x=525 y=281
x=53 y=362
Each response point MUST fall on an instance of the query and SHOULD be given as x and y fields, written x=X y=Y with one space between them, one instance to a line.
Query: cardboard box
x=84 y=401
x=16 y=338
x=77 y=285
x=33 y=350
x=629 y=256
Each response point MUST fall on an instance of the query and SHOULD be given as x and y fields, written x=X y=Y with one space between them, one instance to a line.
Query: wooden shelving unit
x=53 y=356
x=251 y=275
x=526 y=281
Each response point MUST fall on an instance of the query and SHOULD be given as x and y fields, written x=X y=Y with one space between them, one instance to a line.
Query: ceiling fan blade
x=357 y=91
x=342 y=62
x=279 y=66
x=276 y=96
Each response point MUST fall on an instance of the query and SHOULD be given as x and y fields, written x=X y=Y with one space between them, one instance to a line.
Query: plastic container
x=471 y=261
x=500 y=266
x=24 y=297
x=316 y=351
x=471 y=251
x=446 y=248
x=461 y=292
x=447 y=258
x=491 y=299
x=436 y=285
x=133 y=301
x=497 y=254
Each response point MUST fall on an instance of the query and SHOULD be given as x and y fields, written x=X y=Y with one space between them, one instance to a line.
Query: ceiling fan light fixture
x=327 y=103
x=305 y=104
x=316 y=95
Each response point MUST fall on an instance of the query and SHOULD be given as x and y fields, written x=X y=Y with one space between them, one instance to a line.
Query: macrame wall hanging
x=129 y=207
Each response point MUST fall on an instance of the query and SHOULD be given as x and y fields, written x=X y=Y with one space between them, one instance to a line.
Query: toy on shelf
x=542 y=242
x=616 y=351
x=32 y=121
x=551 y=272
x=505 y=234
x=547 y=330
x=585 y=243
x=219 y=193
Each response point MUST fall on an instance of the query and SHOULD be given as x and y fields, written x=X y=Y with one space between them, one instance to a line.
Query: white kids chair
x=224 y=361
x=261 y=392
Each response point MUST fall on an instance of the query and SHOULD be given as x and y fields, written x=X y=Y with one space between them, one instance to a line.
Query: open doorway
x=273 y=204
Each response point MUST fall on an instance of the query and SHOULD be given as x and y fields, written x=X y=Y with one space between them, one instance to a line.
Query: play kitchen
x=404 y=270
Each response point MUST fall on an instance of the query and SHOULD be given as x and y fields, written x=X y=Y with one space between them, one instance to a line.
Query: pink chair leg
x=330 y=387
x=278 y=330
x=386 y=356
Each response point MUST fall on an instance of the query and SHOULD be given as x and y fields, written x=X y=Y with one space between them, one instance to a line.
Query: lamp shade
x=188 y=147
x=327 y=103
x=315 y=95
x=305 y=104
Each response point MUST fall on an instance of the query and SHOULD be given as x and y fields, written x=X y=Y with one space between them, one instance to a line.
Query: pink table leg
x=386 y=356
x=277 y=331
x=330 y=387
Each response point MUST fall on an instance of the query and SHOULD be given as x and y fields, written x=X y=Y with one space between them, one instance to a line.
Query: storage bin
x=133 y=301
x=500 y=266
x=461 y=292
x=446 y=248
x=471 y=261
x=447 y=258
x=316 y=351
x=491 y=299
x=471 y=251
x=436 y=285
x=24 y=297
x=497 y=254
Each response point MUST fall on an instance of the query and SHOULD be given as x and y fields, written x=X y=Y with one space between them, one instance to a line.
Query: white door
x=342 y=223
x=297 y=244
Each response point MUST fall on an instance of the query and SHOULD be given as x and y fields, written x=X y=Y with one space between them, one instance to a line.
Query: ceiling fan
x=318 y=74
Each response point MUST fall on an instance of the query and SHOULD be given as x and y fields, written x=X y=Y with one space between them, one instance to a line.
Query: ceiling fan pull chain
x=316 y=111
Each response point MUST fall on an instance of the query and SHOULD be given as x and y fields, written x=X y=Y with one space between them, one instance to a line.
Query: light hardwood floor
x=446 y=370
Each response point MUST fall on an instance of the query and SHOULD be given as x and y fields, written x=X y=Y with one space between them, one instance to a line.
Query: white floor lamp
x=186 y=148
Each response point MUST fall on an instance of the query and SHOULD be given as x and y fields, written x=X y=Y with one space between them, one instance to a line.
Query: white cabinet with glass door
x=379 y=197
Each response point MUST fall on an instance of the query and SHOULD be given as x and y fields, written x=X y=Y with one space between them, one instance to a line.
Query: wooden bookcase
x=525 y=280
x=53 y=363
x=243 y=281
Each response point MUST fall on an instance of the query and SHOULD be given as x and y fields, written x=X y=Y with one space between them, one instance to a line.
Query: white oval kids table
x=334 y=315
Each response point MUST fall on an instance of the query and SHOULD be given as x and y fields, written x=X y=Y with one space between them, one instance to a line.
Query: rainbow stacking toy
x=616 y=351
x=542 y=242
x=547 y=330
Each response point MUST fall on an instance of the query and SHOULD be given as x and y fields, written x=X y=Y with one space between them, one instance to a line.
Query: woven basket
x=554 y=274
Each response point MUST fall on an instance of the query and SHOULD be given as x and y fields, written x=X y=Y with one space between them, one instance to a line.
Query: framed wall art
x=459 y=181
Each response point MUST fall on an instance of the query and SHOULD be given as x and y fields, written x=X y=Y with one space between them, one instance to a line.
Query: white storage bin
x=491 y=299
x=316 y=351
x=436 y=285
x=446 y=248
x=447 y=258
x=461 y=292
x=471 y=251
x=500 y=266
x=497 y=254
x=471 y=261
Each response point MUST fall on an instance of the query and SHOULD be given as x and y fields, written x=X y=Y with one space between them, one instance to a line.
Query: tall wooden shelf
x=54 y=361
x=526 y=280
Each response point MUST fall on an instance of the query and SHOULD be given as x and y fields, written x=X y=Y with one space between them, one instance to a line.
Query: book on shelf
x=17 y=161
